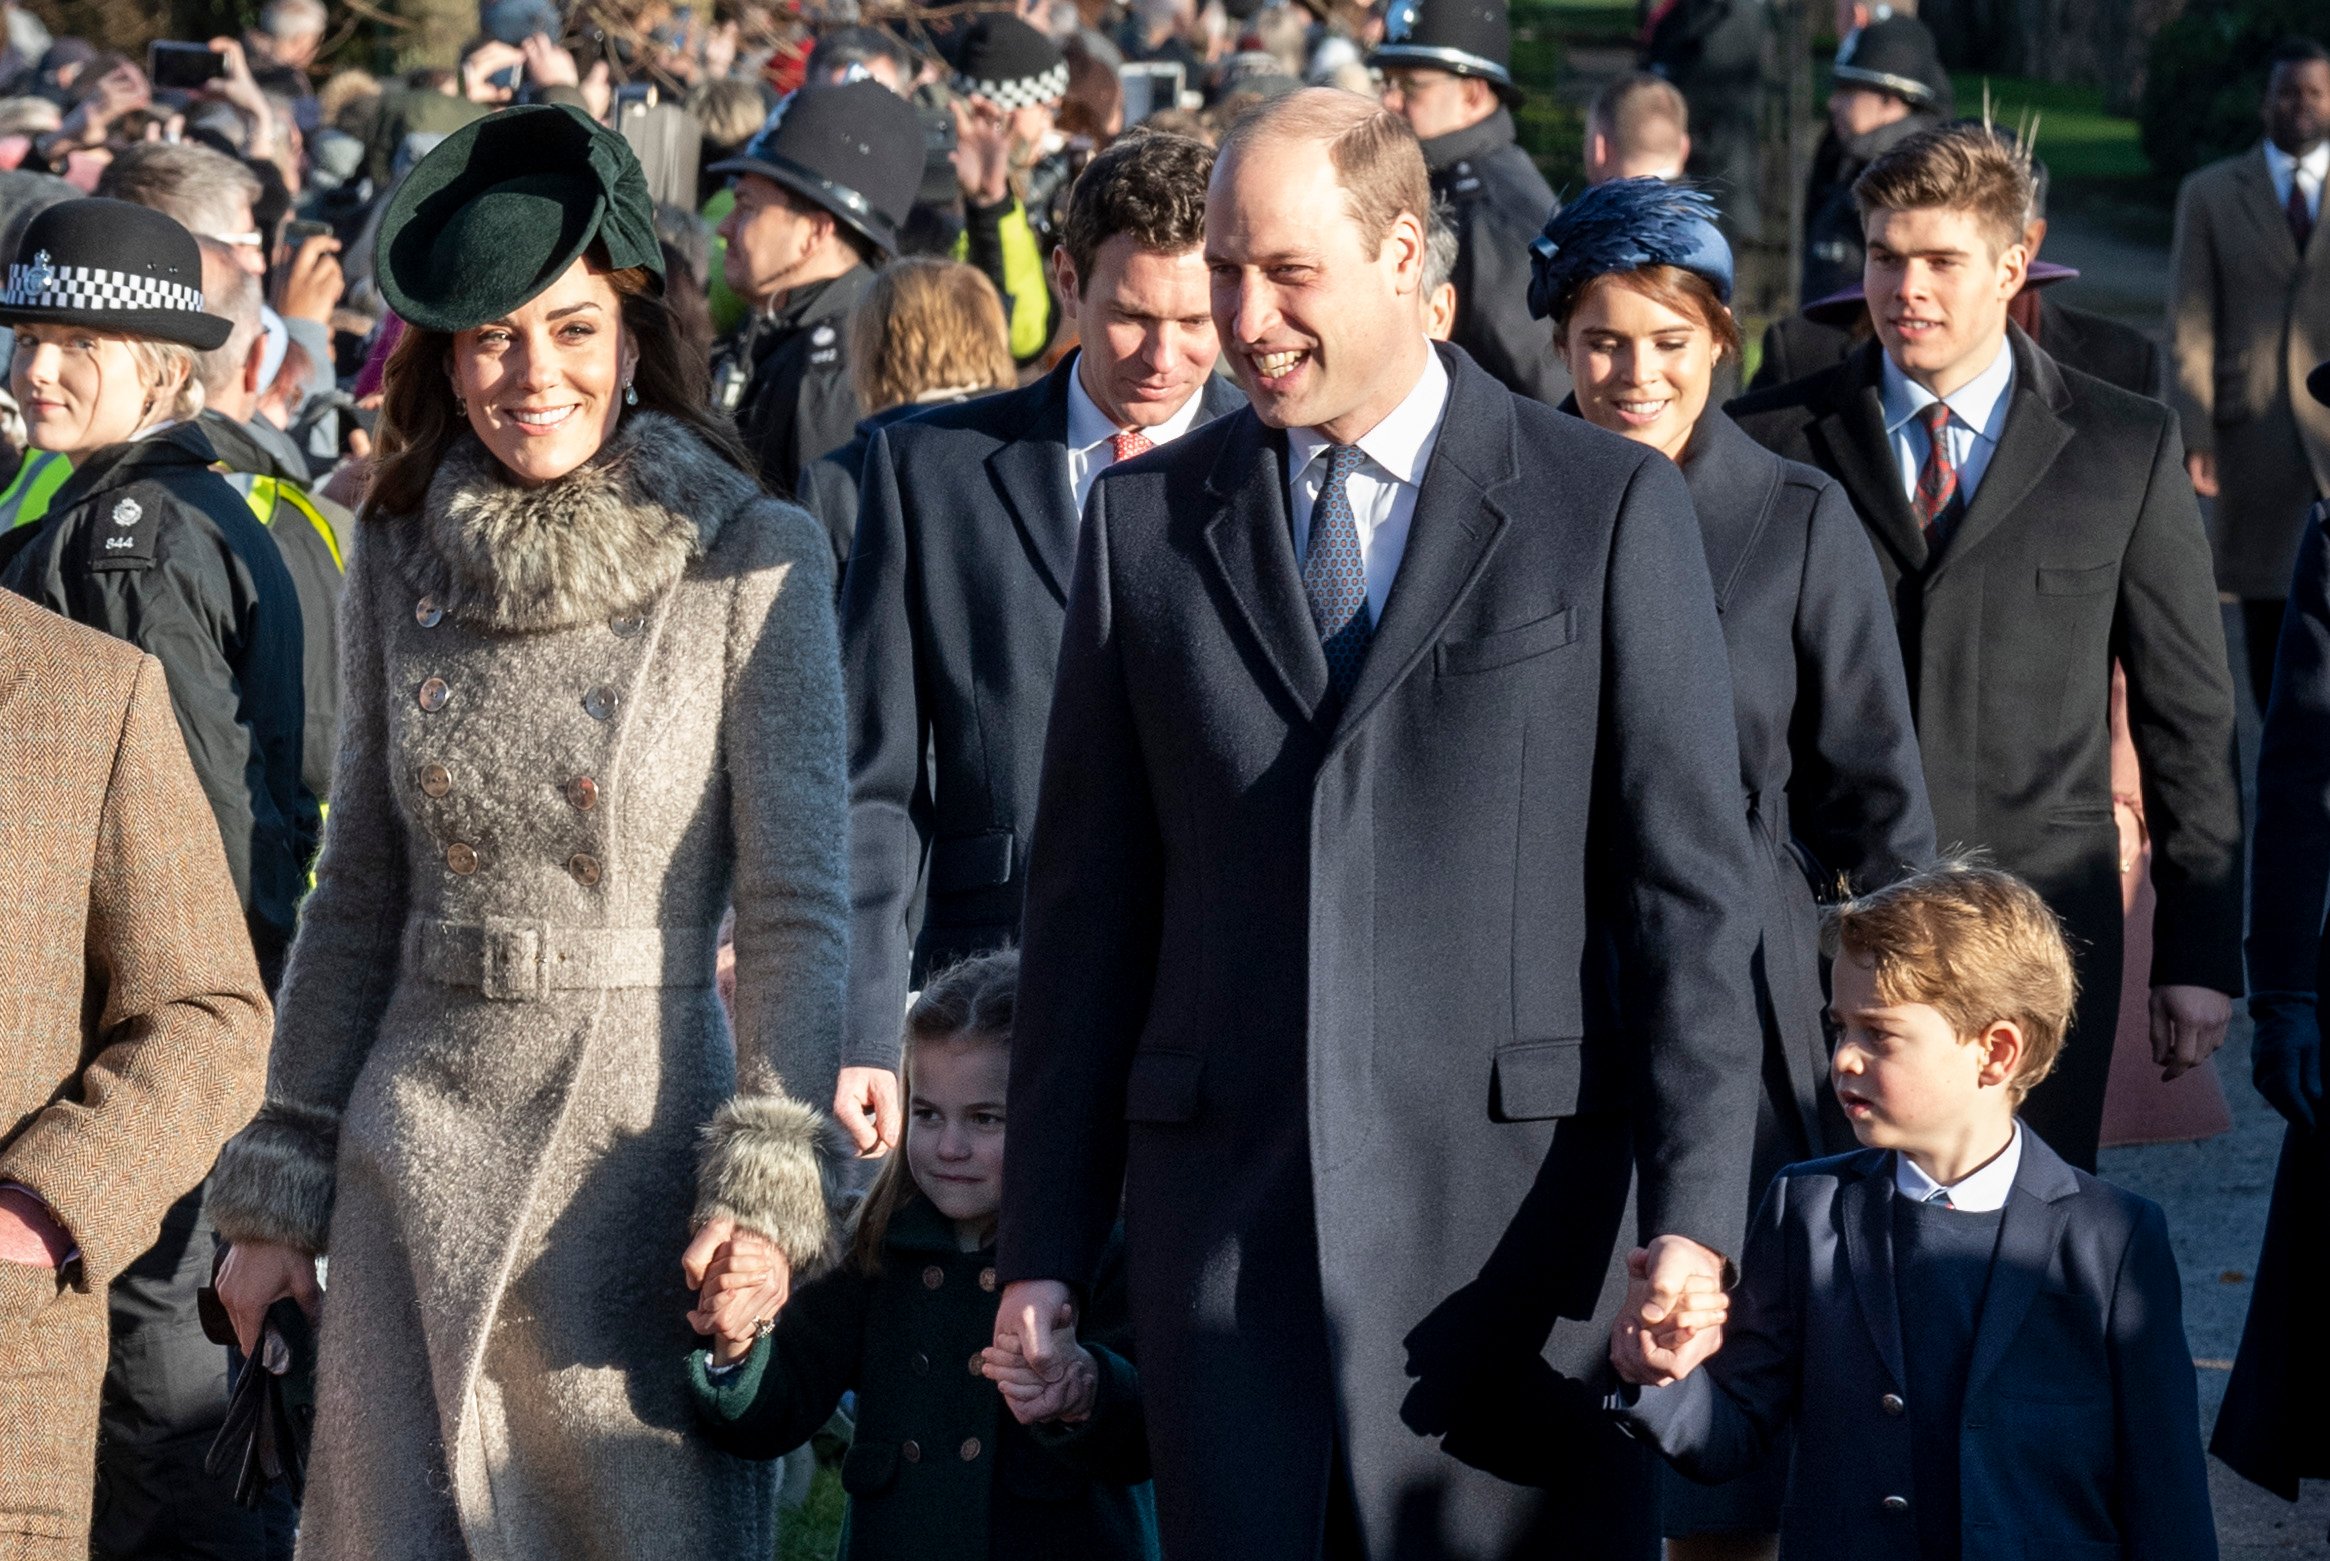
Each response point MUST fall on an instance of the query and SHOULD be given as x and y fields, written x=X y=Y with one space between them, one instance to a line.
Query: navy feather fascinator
x=1623 y=226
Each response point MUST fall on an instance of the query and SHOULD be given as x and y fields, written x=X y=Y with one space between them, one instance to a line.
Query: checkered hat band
x=1026 y=92
x=94 y=289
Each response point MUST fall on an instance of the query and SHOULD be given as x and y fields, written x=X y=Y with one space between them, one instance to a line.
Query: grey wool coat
x=578 y=720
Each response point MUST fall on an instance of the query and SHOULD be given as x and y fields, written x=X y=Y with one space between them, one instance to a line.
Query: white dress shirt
x=1984 y=1192
x=1090 y=432
x=2309 y=171
x=1977 y=418
x=1383 y=489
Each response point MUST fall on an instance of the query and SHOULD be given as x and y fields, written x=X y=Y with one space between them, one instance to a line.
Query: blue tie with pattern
x=1335 y=575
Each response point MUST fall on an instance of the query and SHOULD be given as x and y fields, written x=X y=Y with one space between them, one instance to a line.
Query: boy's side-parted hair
x=1958 y=167
x=1973 y=942
x=972 y=1002
x=1148 y=186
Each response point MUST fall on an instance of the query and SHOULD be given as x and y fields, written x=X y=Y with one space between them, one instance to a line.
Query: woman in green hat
x=593 y=700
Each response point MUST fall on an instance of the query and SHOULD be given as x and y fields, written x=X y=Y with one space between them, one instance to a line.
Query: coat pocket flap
x=1162 y=1086
x=1534 y=1081
x=972 y=862
x=1507 y=646
x=868 y=1468
x=2088 y=581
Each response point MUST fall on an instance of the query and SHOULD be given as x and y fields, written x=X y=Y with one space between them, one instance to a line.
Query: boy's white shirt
x=1984 y=1192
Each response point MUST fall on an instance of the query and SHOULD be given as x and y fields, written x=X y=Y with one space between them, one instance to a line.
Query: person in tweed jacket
x=135 y=1032
x=592 y=700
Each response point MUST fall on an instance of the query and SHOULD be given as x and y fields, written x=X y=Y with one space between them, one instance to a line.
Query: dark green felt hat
x=500 y=210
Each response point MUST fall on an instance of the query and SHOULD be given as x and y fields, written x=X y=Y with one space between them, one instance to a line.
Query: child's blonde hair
x=971 y=1001
x=1974 y=943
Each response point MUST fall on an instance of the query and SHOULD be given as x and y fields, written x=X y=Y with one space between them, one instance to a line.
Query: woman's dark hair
x=418 y=425
x=971 y=1003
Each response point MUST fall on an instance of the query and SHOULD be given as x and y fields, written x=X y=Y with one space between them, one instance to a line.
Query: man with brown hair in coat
x=136 y=1032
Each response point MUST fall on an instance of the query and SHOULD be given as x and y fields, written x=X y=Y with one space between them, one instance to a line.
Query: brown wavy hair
x=418 y=425
x=973 y=1002
x=927 y=324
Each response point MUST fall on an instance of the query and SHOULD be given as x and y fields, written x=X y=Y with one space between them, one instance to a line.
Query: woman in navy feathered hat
x=1637 y=283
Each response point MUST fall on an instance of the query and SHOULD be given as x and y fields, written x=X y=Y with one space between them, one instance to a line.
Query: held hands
x=1043 y=1373
x=1674 y=1312
x=2188 y=1025
x=741 y=1281
x=865 y=1103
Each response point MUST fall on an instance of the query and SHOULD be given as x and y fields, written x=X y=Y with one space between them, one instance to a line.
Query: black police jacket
x=1833 y=248
x=147 y=543
x=797 y=402
x=1499 y=203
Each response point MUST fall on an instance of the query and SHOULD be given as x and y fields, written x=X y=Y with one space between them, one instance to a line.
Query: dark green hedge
x=2207 y=77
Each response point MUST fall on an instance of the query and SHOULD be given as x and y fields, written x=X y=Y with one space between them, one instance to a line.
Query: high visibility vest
x=268 y=495
x=26 y=498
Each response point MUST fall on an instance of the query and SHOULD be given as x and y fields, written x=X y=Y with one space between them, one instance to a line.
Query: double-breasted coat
x=2081 y=546
x=581 y=720
x=1371 y=1013
x=950 y=629
x=136 y=1026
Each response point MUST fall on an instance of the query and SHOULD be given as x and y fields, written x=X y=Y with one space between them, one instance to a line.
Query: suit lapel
x=2036 y=1212
x=2265 y=211
x=1250 y=542
x=1220 y=398
x=1867 y=1216
x=1732 y=480
x=1454 y=525
x=2033 y=435
x=1030 y=472
x=1850 y=439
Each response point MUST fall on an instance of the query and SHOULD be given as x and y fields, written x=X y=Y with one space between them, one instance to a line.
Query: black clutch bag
x=271 y=1412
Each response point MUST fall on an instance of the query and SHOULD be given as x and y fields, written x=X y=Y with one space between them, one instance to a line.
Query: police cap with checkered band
x=1462 y=37
x=854 y=149
x=1009 y=63
x=113 y=267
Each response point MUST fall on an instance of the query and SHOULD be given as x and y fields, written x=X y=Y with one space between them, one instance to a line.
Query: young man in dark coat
x=1391 y=761
x=819 y=197
x=968 y=523
x=2271 y=1430
x=1447 y=71
x=2034 y=525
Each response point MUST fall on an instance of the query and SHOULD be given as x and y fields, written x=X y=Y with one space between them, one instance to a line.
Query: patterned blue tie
x=1335 y=575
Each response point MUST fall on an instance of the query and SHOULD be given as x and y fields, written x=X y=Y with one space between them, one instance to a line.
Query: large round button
x=433 y=693
x=600 y=703
x=921 y=1364
x=583 y=792
x=970 y=1449
x=1891 y=1403
x=933 y=1277
x=911 y=1452
x=461 y=856
x=1895 y=1504
x=629 y=624
x=585 y=868
x=427 y=613
x=436 y=780
x=978 y=1363
x=987 y=1280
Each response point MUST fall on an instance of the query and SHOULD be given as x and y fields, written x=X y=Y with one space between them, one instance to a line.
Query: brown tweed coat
x=579 y=720
x=133 y=1030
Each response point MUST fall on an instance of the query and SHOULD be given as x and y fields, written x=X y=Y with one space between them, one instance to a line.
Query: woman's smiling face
x=544 y=384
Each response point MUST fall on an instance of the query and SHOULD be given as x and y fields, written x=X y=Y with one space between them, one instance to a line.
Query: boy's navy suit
x=2080 y=1432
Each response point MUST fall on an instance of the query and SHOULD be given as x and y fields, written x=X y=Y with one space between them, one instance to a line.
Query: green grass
x=813 y=1531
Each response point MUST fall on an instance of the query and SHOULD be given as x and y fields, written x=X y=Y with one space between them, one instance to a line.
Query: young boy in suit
x=1981 y=1349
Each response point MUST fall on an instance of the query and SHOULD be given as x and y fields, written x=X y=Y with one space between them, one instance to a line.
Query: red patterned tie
x=1937 y=479
x=1128 y=444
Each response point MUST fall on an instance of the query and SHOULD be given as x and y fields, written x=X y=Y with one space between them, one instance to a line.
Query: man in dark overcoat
x=2271 y=1430
x=1391 y=913
x=2033 y=525
x=951 y=608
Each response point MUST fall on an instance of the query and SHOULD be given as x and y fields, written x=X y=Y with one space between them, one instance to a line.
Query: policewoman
x=1637 y=280
x=820 y=194
x=145 y=541
x=592 y=699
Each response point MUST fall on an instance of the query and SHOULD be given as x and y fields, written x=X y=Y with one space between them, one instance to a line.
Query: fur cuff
x=773 y=1165
x=273 y=1181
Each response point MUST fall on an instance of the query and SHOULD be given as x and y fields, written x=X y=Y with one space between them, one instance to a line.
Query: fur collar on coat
x=606 y=539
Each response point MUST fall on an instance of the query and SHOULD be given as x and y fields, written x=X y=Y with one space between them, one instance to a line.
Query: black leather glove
x=2285 y=1058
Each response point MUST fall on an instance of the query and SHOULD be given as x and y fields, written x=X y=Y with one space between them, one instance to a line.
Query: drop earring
x=460 y=407
x=630 y=394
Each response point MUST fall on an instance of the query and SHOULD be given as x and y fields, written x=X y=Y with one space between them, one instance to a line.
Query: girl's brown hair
x=418 y=425
x=926 y=325
x=969 y=1003
x=1685 y=292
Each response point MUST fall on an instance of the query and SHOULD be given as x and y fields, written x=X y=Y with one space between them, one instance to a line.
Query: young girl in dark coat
x=939 y=1467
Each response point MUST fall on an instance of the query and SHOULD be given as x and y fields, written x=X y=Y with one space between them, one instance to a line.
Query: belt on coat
x=516 y=960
